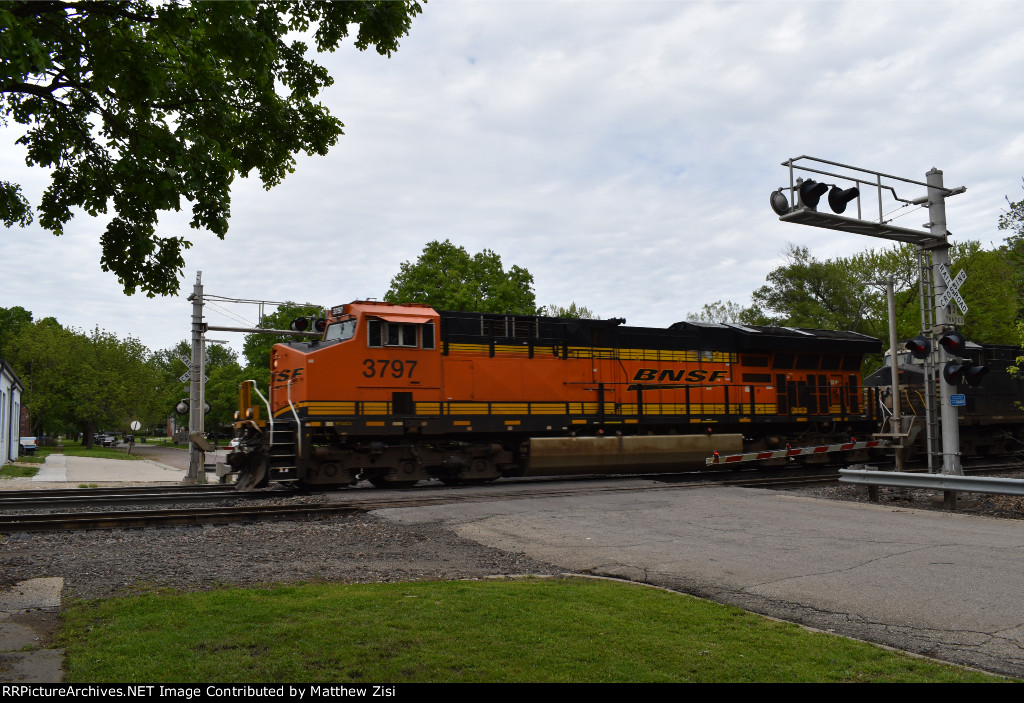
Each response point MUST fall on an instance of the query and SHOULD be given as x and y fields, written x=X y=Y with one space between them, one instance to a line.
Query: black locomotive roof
x=477 y=327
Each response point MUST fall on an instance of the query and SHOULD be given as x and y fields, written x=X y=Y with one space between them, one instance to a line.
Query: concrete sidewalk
x=78 y=469
x=29 y=618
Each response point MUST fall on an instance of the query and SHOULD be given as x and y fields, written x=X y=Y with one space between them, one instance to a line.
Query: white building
x=10 y=412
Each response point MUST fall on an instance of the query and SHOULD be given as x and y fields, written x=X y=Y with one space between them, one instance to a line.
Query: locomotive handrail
x=270 y=416
x=295 y=414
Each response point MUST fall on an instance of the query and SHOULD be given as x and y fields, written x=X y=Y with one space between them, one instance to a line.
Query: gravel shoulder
x=354 y=549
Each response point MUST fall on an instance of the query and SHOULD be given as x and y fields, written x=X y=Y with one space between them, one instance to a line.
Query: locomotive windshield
x=340 y=331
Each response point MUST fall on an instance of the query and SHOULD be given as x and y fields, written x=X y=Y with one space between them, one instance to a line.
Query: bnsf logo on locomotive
x=680 y=376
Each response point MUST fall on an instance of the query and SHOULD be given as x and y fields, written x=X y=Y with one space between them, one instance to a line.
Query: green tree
x=12 y=321
x=836 y=293
x=222 y=370
x=43 y=356
x=137 y=105
x=446 y=277
x=728 y=312
x=580 y=312
x=115 y=383
x=77 y=381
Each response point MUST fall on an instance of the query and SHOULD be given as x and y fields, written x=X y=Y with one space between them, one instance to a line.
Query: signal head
x=299 y=324
x=954 y=371
x=319 y=324
x=838 y=198
x=953 y=342
x=919 y=346
x=810 y=193
x=974 y=374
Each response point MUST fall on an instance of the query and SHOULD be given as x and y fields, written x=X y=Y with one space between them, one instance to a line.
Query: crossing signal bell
x=809 y=192
x=182 y=407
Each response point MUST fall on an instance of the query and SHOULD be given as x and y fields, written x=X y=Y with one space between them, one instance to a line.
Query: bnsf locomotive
x=396 y=394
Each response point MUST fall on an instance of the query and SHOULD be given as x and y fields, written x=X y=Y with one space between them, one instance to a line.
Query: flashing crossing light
x=960 y=371
x=808 y=195
x=811 y=192
x=953 y=372
x=974 y=374
x=302 y=324
x=919 y=346
x=838 y=198
x=953 y=342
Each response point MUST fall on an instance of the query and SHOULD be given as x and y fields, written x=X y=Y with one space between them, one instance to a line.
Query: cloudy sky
x=622 y=151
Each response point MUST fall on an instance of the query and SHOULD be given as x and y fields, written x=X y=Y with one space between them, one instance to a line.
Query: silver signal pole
x=940 y=257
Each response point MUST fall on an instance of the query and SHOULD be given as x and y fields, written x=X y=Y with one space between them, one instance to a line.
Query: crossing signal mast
x=939 y=344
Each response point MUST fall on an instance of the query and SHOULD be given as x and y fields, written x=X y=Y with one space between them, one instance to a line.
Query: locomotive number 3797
x=394 y=368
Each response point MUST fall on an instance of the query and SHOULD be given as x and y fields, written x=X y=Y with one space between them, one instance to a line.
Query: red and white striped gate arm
x=796 y=451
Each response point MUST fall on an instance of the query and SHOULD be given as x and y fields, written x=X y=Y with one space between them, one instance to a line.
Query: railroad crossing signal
x=809 y=193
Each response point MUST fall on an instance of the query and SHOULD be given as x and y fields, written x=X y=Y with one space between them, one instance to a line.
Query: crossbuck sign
x=952 y=288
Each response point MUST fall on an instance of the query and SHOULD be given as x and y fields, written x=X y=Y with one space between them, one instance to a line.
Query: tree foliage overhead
x=446 y=277
x=136 y=105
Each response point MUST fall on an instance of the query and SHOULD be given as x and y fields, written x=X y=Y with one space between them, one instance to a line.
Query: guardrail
x=938 y=482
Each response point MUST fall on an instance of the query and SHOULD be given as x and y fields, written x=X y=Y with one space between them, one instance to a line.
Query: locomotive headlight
x=248 y=413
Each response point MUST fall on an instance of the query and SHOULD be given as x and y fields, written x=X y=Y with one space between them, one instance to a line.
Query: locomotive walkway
x=940 y=584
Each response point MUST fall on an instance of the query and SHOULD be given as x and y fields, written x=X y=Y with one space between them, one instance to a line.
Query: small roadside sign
x=957 y=399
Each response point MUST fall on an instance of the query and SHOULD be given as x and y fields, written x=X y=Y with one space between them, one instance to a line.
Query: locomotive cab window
x=399 y=334
x=340 y=331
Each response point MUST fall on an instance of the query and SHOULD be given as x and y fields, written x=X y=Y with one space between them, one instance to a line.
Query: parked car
x=233 y=444
x=27 y=445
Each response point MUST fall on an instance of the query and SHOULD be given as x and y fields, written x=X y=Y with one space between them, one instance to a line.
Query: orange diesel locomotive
x=401 y=393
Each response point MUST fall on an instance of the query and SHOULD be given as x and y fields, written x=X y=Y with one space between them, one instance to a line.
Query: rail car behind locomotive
x=401 y=393
x=991 y=420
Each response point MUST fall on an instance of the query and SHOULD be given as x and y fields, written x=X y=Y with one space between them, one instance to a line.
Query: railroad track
x=127 y=495
x=349 y=501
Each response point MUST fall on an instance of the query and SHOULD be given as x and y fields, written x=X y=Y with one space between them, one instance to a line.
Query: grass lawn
x=531 y=630
x=12 y=471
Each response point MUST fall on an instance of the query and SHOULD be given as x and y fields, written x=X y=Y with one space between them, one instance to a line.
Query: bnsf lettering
x=287 y=374
x=681 y=376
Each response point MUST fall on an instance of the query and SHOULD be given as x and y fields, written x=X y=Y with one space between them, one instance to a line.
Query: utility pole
x=197 y=388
